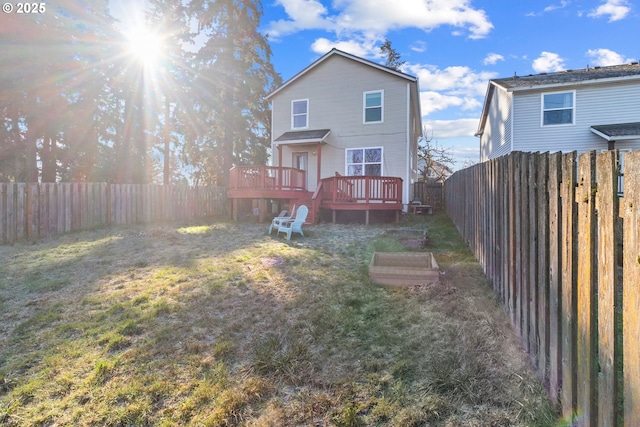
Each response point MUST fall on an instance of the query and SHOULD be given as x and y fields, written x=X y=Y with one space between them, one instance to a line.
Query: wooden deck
x=336 y=193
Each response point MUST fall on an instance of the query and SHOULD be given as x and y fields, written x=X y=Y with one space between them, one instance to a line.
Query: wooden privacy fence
x=32 y=211
x=562 y=251
x=430 y=193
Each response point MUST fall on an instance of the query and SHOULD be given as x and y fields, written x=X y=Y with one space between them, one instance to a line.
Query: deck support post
x=262 y=210
x=234 y=210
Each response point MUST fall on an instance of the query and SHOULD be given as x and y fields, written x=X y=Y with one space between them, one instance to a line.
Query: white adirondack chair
x=294 y=226
x=281 y=218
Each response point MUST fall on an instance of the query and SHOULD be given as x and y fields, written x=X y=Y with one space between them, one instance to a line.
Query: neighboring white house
x=349 y=116
x=588 y=109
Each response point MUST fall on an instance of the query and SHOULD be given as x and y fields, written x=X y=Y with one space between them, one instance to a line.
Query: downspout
x=407 y=178
x=511 y=113
x=272 y=140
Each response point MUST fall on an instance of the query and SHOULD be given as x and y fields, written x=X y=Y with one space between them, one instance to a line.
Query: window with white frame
x=373 y=106
x=300 y=113
x=558 y=108
x=364 y=161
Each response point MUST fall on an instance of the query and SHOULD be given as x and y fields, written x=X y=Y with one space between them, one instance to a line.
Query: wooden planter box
x=403 y=268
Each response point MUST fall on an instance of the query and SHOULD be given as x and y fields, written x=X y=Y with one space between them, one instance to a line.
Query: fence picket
x=586 y=298
x=569 y=262
x=607 y=267
x=549 y=243
x=555 y=276
x=542 y=259
x=32 y=211
x=532 y=213
x=631 y=290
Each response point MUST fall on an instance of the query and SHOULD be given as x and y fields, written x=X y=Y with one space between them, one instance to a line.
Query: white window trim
x=292 y=115
x=364 y=106
x=346 y=159
x=542 y=110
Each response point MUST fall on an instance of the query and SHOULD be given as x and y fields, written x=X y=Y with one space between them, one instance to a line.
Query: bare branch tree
x=435 y=162
x=468 y=162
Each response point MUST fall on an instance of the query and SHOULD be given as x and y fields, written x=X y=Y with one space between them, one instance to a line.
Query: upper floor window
x=558 y=108
x=364 y=161
x=300 y=114
x=373 y=103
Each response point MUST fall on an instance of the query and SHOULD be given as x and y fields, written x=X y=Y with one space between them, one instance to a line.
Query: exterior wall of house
x=335 y=90
x=495 y=141
x=594 y=105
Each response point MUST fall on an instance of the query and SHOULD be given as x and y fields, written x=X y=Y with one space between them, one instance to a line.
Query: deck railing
x=267 y=177
x=362 y=189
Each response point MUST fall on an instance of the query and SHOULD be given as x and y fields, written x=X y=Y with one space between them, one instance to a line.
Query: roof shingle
x=570 y=76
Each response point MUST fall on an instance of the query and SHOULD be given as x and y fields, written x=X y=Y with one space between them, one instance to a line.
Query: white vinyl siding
x=496 y=138
x=594 y=105
x=335 y=90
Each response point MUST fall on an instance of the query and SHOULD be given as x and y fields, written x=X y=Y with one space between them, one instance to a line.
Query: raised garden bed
x=403 y=268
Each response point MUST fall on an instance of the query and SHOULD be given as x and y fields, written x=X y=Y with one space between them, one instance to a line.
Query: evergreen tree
x=233 y=71
x=51 y=84
x=75 y=108
x=392 y=57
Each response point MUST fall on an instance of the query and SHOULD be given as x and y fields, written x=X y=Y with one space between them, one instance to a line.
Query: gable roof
x=544 y=81
x=334 y=52
x=590 y=75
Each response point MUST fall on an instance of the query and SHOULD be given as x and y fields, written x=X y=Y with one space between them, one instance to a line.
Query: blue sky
x=456 y=46
x=453 y=46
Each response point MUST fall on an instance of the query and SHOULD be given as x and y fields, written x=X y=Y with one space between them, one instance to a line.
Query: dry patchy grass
x=223 y=325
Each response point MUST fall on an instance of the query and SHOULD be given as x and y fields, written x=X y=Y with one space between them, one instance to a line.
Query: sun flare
x=145 y=45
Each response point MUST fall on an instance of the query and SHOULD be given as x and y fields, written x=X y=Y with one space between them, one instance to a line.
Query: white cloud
x=419 y=46
x=434 y=101
x=452 y=128
x=381 y=16
x=454 y=80
x=605 y=57
x=431 y=102
x=362 y=48
x=548 y=62
x=552 y=7
x=492 y=58
x=614 y=9
x=304 y=14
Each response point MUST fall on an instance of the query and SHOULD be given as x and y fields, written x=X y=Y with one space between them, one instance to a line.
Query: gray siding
x=606 y=104
x=335 y=90
x=496 y=138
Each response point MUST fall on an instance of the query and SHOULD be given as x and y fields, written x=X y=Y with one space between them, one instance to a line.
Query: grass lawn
x=223 y=325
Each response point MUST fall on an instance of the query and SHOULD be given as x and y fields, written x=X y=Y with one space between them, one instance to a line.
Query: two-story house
x=344 y=138
x=596 y=108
